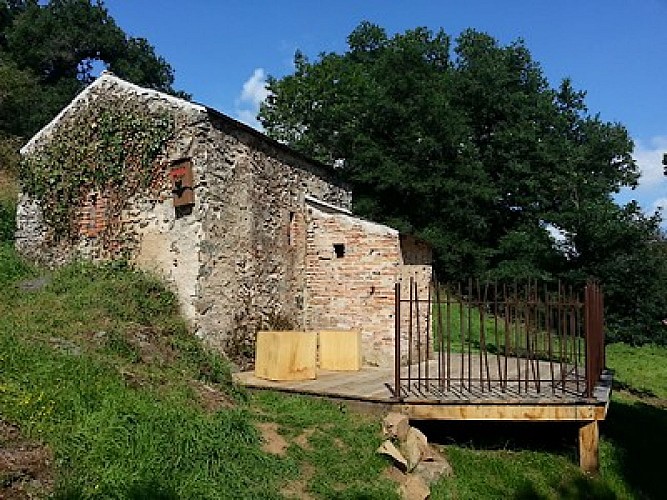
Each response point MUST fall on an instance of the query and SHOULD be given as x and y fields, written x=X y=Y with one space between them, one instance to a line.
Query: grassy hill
x=104 y=393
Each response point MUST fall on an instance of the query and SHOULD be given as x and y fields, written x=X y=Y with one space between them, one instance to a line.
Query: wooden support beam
x=589 y=454
x=517 y=412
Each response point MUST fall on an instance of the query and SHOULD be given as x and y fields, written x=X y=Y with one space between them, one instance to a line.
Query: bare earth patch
x=211 y=398
x=272 y=441
x=298 y=488
x=303 y=439
x=338 y=443
x=26 y=468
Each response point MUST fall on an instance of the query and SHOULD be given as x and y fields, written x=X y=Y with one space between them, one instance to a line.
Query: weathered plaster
x=256 y=249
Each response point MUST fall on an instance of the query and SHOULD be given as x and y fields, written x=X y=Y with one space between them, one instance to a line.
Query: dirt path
x=26 y=467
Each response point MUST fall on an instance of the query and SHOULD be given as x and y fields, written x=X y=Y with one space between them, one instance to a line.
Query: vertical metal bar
x=603 y=351
x=561 y=332
x=419 y=338
x=439 y=336
x=516 y=334
x=462 y=334
x=568 y=332
x=547 y=312
x=483 y=333
x=508 y=333
x=449 y=339
x=481 y=330
x=527 y=327
x=397 y=340
x=588 y=335
x=536 y=335
x=495 y=327
x=577 y=339
x=410 y=339
x=469 y=310
x=428 y=335
x=573 y=332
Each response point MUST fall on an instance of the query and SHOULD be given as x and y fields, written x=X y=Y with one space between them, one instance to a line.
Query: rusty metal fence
x=486 y=339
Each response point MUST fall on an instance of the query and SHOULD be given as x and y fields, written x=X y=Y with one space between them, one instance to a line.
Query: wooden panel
x=340 y=350
x=286 y=355
x=589 y=437
x=516 y=412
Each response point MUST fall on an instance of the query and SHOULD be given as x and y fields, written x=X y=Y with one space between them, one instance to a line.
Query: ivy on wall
x=112 y=147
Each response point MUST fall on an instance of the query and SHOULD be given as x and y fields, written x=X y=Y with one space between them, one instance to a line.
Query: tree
x=47 y=55
x=403 y=143
x=624 y=249
x=467 y=146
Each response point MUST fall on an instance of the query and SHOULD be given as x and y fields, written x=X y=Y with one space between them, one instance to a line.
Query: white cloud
x=649 y=158
x=652 y=190
x=253 y=93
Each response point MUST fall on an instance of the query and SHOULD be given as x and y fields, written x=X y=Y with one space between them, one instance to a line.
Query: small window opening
x=339 y=250
x=290 y=229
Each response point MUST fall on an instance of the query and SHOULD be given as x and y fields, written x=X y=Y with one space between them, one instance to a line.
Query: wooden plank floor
x=374 y=384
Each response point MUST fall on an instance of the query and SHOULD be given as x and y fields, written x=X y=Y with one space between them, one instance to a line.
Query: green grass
x=98 y=365
x=641 y=370
x=517 y=474
x=127 y=422
x=339 y=458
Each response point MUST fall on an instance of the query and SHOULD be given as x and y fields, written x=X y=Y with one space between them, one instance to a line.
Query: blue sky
x=616 y=50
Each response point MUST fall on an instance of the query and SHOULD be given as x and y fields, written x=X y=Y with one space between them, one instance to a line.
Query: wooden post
x=589 y=440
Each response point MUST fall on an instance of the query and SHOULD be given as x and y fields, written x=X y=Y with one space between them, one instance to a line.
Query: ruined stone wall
x=255 y=251
x=253 y=248
x=236 y=258
x=415 y=277
x=148 y=232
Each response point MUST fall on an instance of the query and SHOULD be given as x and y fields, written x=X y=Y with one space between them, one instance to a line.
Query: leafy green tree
x=402 y=142
x=47 y=55
x=468 y=146
x=625 y=250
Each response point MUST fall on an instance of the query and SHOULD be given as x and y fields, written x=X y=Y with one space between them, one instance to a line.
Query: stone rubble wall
x=148 y=232
x=253 y=250
x=415 y=276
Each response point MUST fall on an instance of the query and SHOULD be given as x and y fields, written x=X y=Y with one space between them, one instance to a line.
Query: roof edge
x=105 y=76
x=311 y=200
x=328 y=210
x=325 y=169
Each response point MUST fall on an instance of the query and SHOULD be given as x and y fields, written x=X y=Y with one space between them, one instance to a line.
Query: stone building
x=249 y=234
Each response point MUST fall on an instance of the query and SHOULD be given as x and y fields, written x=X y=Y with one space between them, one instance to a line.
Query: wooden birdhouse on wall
x=182 y=183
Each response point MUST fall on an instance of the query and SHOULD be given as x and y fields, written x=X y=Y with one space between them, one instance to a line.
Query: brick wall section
x=93 y=215
x=355 y=290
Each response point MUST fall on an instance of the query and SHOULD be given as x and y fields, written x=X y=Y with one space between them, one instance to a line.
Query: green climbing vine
x=112 y=147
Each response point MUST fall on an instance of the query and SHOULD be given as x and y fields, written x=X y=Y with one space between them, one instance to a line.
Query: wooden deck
x=508 y=402
x=376 y=385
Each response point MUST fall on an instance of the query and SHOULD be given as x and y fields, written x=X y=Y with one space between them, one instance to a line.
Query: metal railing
x=486 y=339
